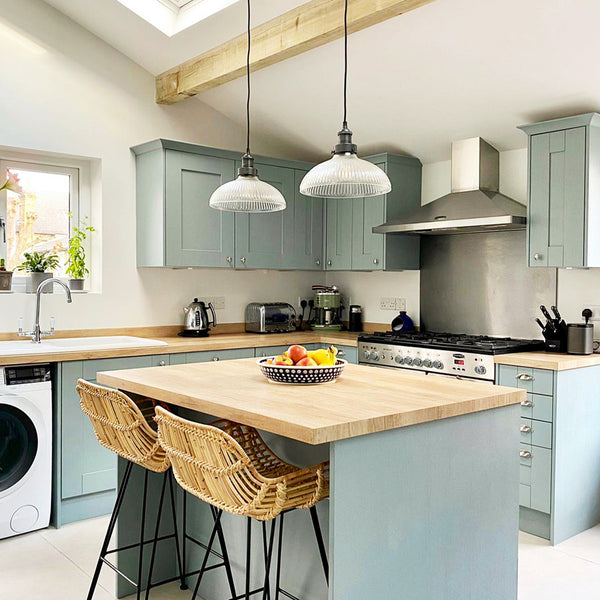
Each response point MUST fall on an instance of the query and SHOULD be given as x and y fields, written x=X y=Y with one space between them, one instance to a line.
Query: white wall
x=64 y=90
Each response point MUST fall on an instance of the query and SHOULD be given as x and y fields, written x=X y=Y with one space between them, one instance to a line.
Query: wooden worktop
x=176 y=345
x=548 y=360
x=363 y=400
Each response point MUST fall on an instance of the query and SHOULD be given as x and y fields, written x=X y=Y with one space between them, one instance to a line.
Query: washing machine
x=25 y=448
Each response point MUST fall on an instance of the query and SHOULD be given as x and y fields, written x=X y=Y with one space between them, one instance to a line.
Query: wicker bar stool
x=230 y=467
x=130 y=431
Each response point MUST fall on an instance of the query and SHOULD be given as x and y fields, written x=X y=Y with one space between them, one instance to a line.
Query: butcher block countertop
x=363 y=400
x=548 y=360
x=176 y=344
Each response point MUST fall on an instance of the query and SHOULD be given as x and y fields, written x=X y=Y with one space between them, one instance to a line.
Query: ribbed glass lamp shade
x=247 y=193
x=345 y=175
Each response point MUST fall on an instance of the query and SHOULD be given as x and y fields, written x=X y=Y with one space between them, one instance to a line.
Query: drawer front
x=536 y=381
x=270 y=351
x=536 y=433
x=91 y=367
x=538 y=407
x=536 y=472
x=349 y=353
x=525 y=495
x=193 y=357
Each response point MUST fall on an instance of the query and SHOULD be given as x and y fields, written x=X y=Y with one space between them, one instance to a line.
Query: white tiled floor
x=58 y=564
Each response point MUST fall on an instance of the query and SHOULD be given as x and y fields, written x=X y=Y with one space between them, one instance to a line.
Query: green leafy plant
x=2 y=264
x=76 y=268
x=38 y=262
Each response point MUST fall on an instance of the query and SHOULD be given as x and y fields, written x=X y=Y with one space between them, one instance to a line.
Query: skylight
x=173 y=16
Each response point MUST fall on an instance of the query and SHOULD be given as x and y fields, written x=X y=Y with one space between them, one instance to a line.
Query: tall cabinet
x=564 y=192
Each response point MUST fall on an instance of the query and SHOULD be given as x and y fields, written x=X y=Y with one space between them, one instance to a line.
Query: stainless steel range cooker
x=457 y=355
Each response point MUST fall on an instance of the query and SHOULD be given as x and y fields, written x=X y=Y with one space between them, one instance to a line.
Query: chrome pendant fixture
x=247 y=193
x=345 y=175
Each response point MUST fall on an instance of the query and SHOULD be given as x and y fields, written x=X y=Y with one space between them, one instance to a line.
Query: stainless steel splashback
x=480 y=283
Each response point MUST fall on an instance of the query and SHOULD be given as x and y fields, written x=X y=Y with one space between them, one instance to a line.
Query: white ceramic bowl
x=301 y=375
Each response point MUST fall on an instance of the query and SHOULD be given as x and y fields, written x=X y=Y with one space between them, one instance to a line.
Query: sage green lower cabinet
x=207 y=356
x=559 y=449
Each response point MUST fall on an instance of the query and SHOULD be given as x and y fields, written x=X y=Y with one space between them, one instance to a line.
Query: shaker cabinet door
x=197 y=235
x=266 y=240
x=339 y=234
x=557 y=198
x=368 y=247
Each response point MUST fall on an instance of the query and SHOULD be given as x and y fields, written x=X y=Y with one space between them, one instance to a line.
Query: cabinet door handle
x=524 y=377
x=317 y=262
x=329 y=263
x=375 y=261
x=215 y=358
x=527 y=403
x=162 y=363
x=341 y=353
x=243 y=260
x=229 y=259
x=526 y=429
x=525 y=454
x=538 y=256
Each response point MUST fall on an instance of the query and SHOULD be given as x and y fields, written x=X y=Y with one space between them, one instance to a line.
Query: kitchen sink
x=50 y=345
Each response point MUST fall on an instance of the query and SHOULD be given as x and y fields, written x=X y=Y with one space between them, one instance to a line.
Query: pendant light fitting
x=345 y=175
x=247 y=193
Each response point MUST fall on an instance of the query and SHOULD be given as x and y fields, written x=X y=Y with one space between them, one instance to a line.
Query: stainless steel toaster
x=270 y=317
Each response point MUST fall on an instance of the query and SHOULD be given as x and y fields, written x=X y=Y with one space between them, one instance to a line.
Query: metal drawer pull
x=537 y=256
x=525 y=454
x=215 y=358
x=162 y=363
x=341 y=353
x=527 y=403
x=524 y=377
x=526 y=429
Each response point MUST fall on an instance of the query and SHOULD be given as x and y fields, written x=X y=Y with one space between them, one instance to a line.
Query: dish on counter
x=299 y=374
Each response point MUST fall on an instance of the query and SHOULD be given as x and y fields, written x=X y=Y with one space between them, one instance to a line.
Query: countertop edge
x=548 y=360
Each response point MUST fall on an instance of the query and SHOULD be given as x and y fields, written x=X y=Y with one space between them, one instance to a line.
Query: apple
x=283 y=360
x=307 y=362
x=296 y=353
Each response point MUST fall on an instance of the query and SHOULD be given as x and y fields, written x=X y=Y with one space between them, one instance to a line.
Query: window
x=39 y=219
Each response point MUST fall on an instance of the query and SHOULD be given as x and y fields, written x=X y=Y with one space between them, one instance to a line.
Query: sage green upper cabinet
x=175 y=225
x=351 y=243
x=339 y=234
x=309 y=216
x=265 y=240
x=564 y=192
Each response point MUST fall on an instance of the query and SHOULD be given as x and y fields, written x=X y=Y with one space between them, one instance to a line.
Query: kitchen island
x=424 y=474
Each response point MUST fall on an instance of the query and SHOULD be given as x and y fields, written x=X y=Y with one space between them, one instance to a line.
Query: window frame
x=41 y=165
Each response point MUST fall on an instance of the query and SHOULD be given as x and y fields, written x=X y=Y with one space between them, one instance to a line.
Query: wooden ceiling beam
x=308 y=26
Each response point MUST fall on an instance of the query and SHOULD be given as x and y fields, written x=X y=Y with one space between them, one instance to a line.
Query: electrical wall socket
x=595 y=312
x=386 y=303
x=218 y=302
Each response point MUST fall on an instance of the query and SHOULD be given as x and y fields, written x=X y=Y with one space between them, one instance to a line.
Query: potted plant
x=39 y=265
x=76 y=268
x=5 y=277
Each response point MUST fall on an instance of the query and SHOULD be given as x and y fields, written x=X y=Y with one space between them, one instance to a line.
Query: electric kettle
x=196 y=322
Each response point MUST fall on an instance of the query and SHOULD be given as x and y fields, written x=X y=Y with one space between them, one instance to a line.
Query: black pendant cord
x=248 y=86
x=345 y=123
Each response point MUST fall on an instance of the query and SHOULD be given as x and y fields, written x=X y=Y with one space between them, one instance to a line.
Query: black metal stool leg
x=111 y=528
x=317 y=527
x=207 y=554
x=226 y=562
x=180 y=562
x=156 y=534
x=248 y=551
x=141 y=545
x=268 y=556
x=183 y=586
x=279 y=549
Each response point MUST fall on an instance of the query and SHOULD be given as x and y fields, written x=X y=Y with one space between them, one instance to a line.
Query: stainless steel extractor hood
x=474 y=205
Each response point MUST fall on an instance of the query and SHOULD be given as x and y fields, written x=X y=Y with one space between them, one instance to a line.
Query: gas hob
x=458 y=355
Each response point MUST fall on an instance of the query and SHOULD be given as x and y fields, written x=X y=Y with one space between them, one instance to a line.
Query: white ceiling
x=450 y=70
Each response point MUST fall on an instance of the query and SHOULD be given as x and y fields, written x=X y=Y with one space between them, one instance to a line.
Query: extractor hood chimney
x=474 y=205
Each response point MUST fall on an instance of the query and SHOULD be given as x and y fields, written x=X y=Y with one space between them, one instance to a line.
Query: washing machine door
x=18 y=445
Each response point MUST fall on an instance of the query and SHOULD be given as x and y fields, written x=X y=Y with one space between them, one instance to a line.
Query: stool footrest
x=137 y=544
x=202 y=545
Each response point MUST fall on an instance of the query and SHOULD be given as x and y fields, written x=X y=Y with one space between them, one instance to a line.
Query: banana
x=324 y=357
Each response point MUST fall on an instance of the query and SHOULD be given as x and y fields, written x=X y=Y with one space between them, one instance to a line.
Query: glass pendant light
x=247 y=193
x=345 y=175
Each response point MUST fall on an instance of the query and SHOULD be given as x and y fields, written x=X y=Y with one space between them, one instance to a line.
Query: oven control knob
x=480 y=370
x=399 y=359
x=366 y=354
x=427 y=363
x=417 y=362
x=438 y=364
x=374 y=356
x=408 y=360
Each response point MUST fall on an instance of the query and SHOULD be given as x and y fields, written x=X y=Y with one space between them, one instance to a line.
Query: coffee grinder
x=327 y=308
